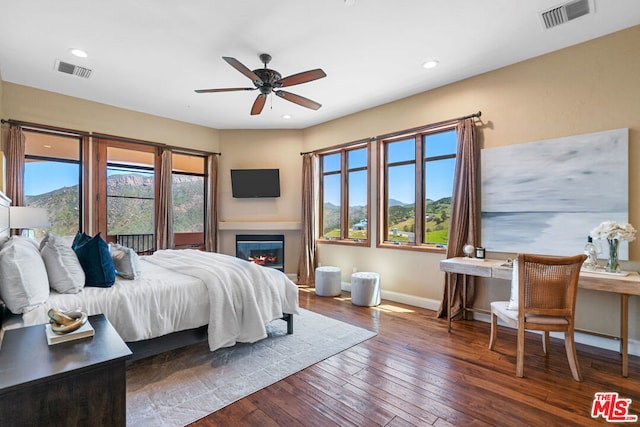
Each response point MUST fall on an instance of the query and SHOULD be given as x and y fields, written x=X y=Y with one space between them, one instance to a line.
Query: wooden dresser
x=75 y=383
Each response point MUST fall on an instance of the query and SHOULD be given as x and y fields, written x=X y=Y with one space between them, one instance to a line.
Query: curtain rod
x=36 y=126
x=429 y=126
x=183 y=150
x=44 y=127
x=402 y=132
x=338 y=146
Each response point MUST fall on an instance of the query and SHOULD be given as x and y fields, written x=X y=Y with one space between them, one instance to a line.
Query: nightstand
x=81 y=382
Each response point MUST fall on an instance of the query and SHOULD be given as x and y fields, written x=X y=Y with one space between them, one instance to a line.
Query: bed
x=178 y=297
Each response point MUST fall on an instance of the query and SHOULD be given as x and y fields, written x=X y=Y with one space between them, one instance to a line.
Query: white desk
x=625 y=286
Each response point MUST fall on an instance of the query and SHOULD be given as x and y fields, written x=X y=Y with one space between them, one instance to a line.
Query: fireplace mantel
x=259 y=225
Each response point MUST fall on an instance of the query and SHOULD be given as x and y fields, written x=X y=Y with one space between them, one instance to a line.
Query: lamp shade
x=26 y=217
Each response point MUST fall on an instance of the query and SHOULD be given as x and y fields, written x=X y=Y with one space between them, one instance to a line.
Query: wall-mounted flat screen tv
x=252 y=183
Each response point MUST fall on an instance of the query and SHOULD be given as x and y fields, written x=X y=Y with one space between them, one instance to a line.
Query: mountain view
x=401 y=221
x=132 y=212
x=331 y=217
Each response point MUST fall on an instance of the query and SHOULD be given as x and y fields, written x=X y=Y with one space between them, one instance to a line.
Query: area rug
x=181 y=386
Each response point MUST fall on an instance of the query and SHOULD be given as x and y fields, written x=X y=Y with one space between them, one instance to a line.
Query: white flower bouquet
x=611 y=230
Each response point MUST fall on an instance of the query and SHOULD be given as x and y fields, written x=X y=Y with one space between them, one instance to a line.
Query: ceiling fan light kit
x=269 y=81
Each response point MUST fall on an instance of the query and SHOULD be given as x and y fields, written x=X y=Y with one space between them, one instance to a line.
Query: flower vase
x=613 y=266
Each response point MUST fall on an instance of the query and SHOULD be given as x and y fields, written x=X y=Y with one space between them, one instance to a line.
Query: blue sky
x=439 y=174
x=52 y=175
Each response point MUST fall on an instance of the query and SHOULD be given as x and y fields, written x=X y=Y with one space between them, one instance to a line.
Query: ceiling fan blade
x=258 y=104
x=229 y=89
x=305 y=76
x=297 y=99
x=244 y=70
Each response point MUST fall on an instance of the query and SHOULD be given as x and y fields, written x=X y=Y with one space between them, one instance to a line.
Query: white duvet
x=184 y=289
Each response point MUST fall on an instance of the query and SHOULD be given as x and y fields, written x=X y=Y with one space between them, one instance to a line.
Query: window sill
x=417 y=248
x=323 y=241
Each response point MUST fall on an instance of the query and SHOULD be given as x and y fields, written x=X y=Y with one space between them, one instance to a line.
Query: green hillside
x=401 y=220
x=131 y=214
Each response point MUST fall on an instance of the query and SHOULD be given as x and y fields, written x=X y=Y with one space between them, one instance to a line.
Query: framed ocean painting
x=545 y=197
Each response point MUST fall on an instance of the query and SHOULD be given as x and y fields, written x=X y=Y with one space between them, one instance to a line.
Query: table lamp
x=28 y=218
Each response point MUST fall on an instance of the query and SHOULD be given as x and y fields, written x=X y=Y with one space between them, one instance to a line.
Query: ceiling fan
x=270 y=81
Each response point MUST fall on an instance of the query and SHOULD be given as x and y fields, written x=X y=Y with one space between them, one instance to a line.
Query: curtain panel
x=307 y=260
x=464 y=224
x=164 y=223
x=15 y=149
x=211 y=211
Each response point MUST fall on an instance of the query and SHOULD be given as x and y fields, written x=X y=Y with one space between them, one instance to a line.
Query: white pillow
x=3 y=240
x=23 y=276
x=27 y=241
x=126 y=261
x=65 y=273
x=513 y=300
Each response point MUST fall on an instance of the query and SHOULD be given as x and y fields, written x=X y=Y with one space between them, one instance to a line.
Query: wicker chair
x=547 y=288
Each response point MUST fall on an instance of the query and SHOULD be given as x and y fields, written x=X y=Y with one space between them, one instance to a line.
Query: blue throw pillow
x=95 y=259
x=79 y=240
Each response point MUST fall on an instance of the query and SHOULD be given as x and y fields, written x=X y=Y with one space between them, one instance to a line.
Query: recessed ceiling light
x=78 y=52
x=286 y=116
x=349 y=2
x=432 y=63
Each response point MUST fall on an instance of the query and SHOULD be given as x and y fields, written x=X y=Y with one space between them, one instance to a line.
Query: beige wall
x=31 y=105
x=1 y=89
x=255 y=149
x=591 y=87
x=587 y=88
x=27 y=104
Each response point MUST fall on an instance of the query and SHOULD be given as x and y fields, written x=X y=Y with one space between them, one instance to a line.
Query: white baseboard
x=427 y=303
x=580 y=337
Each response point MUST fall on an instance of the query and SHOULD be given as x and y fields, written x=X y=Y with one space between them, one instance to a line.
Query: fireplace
x=261 y=249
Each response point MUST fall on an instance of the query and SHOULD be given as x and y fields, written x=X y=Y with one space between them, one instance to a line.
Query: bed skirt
x=154 y=346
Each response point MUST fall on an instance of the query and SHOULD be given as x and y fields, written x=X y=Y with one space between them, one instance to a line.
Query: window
x=125 y=179
x=53 y=179
x=188 y=197
x=128 y=189
x=439 y=164
x=345 y=195
x=417 y=185
x=130 y=192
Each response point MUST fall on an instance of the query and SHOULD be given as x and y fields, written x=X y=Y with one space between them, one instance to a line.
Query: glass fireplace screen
x=266 y=250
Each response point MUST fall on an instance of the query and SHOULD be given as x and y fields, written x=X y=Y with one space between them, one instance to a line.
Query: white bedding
x=185 y=289
x=243 y=297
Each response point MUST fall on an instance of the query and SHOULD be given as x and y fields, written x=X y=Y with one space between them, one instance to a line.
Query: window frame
x=192 y=240
x=82 y=162
x=419 y=188
x=344 y=194
x=100 y=179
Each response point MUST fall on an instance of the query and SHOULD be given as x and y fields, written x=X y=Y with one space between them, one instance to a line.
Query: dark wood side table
x=75 y=383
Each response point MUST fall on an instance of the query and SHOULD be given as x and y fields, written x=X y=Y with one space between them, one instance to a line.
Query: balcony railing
x=143 y=244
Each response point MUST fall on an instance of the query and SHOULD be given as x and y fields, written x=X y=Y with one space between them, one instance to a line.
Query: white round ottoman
x=365 y=289
x=328 y=281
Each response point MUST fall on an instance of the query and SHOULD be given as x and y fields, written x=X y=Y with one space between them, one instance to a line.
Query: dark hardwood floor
x=414 y=373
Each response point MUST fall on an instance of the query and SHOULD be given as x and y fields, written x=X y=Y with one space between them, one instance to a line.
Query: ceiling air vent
x=76 y=70
x=566 y=12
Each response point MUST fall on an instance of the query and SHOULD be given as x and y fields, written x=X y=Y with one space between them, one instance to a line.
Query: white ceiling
x=150 y=55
